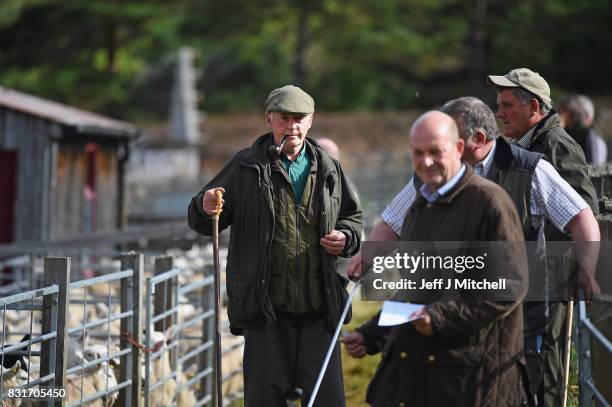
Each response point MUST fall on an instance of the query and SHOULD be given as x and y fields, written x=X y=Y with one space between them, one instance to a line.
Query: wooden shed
x=61 y=169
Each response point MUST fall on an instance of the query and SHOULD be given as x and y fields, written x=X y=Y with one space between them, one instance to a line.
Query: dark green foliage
x=351 y=55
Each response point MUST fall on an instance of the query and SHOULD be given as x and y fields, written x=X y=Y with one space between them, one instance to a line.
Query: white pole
x=332 y=345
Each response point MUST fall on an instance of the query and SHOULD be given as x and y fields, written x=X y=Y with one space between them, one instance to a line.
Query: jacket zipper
x=297 y=244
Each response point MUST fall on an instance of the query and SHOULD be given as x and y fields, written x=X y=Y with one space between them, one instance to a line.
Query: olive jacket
x=249 y=210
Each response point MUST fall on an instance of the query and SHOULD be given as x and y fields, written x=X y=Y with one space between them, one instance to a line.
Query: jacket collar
x=502 y=157
x=257 y=154
x=447 y=198
x=544 y=125
x=433 y=196
x=452 y=194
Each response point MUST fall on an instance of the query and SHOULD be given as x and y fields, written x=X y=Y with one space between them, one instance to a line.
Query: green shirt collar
x=300 y=160
x=298 y=171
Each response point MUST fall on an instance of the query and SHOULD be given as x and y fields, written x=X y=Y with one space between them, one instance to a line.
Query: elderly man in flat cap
x=525 y=109
x=291 y=212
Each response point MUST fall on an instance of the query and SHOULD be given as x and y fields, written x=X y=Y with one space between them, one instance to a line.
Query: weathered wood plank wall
x=30 y=137
x=50 y=199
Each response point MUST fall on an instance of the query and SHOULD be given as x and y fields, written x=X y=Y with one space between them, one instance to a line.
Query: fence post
x=205 y=359
x=163 y=293
x=56 y=271
x=131 y=299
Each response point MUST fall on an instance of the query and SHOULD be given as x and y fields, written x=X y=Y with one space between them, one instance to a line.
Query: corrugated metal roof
x=82 y=120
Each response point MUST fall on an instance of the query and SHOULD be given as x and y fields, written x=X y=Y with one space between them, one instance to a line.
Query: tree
x=357 y=54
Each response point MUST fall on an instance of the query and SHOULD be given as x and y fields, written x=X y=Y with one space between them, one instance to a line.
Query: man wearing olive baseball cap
x=292 y=212
x=525 y=109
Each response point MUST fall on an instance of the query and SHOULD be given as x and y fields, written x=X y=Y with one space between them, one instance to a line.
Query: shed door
x=8 y=195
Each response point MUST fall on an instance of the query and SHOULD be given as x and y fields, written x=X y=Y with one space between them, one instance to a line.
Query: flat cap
x=290 y=99
x=526 y=79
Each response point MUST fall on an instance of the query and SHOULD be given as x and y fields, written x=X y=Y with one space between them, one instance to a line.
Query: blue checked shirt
x=552 y=198
x=526 y=140
x=432 y=197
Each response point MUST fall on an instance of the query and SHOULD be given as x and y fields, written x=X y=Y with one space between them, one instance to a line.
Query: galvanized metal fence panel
x=586 y=332
x=189 y=350
x=176 y=299
x=50 y=338
x=89 y=374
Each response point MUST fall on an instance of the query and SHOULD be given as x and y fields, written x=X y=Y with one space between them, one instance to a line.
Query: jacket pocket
x=243 y=303
x=279 y=280
x=453 y=378
x=383 y=388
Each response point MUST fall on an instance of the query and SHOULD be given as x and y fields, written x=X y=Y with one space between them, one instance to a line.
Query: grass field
x=358 y=372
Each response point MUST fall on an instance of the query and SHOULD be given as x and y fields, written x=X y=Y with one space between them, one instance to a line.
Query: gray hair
x=472 y=115
x=588 y=106
x=580 y=108
x=524 y=96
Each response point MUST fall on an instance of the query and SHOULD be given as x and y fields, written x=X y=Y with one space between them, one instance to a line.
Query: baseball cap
x=523 y=78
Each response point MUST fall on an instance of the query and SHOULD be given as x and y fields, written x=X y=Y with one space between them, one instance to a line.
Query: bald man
x=456 y=353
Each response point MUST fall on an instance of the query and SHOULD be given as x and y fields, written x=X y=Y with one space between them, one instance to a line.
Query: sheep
x=13 y=378
x=94 y=378
x=105 y=376
x=231 y=363
x=75 y=387
x=100 y=350
x=186 y=311
x=158 y=369
x=18 y=322
x=100 y=290
x=161 y=367
x=95 y=311
x=102 y=312
x=9 y=359
x=77 y=316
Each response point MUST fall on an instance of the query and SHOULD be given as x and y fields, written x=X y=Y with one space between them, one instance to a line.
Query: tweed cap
x=290 y=99
x=526 y=79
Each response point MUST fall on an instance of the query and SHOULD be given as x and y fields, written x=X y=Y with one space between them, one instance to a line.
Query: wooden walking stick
x=568 y=345
x=217 y=276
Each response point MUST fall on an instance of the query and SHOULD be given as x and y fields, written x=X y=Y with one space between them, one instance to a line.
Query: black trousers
x=289 y=354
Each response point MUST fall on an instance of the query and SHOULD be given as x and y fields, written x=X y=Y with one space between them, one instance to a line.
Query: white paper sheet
x=397 y=313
